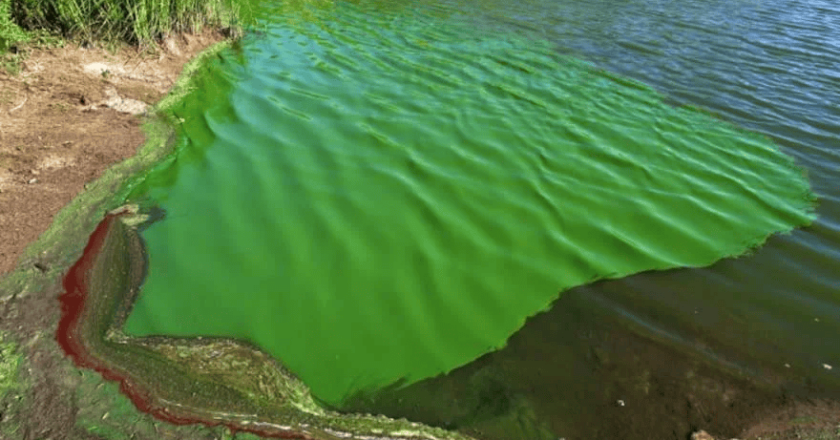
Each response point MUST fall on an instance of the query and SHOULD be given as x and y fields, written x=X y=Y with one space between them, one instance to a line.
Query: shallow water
x=382 y=190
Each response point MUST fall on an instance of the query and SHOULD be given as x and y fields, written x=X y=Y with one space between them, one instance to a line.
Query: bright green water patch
x=381 y=194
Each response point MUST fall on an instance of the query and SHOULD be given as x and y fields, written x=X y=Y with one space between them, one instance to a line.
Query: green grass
x=10 y=32
x=9 y=363
x=131 y=21
x=11 y=386
x=46 y=23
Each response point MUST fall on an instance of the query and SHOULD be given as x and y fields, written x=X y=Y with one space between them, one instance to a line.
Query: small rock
x=172 y=46
x=701 y=435
x=98 y=69
x=124 y=105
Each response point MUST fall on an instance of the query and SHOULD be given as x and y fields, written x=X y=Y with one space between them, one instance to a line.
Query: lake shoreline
x=73 y=130
x=45 y=399
x=216 y=382
x=42 y=392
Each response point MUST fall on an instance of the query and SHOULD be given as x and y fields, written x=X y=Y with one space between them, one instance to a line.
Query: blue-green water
x=377 y=191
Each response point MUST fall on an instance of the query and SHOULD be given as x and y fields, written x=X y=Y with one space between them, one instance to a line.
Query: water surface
x=383 y=191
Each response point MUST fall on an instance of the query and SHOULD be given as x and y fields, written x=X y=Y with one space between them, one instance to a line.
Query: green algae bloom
x=384 y=203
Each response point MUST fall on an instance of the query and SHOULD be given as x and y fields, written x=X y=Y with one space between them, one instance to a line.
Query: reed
x=132 y=21
x=10 y=32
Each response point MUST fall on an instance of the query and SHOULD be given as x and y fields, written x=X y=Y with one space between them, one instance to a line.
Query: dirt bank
x=69 y=114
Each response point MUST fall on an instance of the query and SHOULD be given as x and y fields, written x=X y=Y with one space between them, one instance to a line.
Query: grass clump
x=9 y=363
x=131 y=21
x=10 y=32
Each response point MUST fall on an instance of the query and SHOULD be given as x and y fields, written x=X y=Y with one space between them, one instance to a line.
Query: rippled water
x=383 y=190
x=769 y=67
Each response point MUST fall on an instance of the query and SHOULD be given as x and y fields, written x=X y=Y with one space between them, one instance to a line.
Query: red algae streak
x=75 y=293
x=69 y=334
x=70 y=338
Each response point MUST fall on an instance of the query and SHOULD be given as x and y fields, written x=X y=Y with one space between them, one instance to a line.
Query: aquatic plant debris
x=9 y=366
x=382 y=204
x=209 y=381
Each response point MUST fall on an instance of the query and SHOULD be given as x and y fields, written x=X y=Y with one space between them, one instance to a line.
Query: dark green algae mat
x=374 y=196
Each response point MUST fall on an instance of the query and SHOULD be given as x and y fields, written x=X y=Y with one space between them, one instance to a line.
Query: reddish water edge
x=70 y=338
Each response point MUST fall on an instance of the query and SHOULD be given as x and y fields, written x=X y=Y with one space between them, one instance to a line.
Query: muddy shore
x=69 y=115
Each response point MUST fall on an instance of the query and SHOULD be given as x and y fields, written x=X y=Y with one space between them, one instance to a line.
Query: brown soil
x=813 y=420
x=65 y=118
x=818 y=420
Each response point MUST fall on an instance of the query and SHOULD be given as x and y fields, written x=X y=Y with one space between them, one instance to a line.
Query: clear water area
x=384 y=191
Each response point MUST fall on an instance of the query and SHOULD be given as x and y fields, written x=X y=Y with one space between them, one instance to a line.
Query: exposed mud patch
x=65 y=118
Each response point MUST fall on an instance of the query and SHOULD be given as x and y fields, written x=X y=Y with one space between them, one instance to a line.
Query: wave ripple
x=376 y=195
